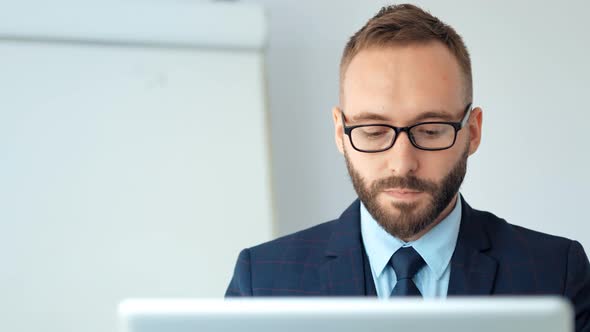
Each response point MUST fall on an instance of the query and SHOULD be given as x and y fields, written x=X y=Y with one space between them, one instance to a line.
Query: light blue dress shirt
x=436 y=248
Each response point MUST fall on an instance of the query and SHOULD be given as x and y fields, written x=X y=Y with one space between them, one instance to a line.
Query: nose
x=402 y=159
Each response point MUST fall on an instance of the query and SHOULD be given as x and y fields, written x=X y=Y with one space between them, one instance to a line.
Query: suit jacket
x=492 y=257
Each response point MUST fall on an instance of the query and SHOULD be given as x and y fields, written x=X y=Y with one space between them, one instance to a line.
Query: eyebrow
x=443 y=115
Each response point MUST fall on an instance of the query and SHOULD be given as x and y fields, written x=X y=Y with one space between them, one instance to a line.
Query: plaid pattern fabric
x=492 y=257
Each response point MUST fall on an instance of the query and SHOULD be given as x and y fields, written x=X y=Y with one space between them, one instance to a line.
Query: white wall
x=134 y=160
x=531 y=70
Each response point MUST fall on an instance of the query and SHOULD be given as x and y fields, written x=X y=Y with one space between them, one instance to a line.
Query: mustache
x=408 y=182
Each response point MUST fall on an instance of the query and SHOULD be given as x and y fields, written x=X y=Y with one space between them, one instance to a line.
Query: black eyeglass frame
x=398 y=130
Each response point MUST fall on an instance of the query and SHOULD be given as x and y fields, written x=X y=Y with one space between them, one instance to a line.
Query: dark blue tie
x=406 y=263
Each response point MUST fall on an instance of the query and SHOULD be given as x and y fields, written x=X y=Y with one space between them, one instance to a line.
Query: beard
x=410 y=220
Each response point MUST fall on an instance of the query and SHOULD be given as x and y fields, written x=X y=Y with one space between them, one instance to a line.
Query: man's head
x=402 y=68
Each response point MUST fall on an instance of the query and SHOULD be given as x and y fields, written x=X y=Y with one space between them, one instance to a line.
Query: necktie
x=406 y=263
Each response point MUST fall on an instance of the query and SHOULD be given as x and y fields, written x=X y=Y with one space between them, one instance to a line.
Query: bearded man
x=406 y=126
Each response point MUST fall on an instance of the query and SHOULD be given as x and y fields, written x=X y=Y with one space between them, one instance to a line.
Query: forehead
x=401 y=82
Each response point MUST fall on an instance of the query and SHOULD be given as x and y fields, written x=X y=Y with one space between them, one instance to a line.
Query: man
x=406 y=126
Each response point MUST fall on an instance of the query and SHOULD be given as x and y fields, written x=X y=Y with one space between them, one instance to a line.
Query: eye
x=427 y=132
x=370 y=132
x=431 y=131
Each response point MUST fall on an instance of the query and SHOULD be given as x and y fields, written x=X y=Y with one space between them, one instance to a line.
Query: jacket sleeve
x=577 y=287
x=241 y=282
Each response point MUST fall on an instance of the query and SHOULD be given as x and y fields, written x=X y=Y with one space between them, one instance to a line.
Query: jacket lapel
x=472 y=271
x=342 y=273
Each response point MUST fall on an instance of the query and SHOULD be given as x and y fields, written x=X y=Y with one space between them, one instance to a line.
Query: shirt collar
x=436 y=247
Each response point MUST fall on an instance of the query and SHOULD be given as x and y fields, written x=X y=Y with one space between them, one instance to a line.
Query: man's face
x=405 y=189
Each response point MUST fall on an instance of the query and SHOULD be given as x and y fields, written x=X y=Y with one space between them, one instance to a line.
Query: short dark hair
x=407 y=24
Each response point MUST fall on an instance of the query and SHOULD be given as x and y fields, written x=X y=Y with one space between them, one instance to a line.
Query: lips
x=402 y=193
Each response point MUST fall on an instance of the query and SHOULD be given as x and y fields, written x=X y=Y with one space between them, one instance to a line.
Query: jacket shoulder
x=503 y=234
x=283 y=267
x=307 y=241
x=529 y=261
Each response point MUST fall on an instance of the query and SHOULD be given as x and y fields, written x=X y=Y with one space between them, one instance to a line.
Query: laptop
x=469 y=314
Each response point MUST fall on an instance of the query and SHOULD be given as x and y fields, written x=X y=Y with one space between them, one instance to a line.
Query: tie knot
x=406 y=263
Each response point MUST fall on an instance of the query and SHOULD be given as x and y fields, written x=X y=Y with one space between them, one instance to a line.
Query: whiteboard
x=133 y=164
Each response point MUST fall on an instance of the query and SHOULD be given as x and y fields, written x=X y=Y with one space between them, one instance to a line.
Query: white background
x=130 y=167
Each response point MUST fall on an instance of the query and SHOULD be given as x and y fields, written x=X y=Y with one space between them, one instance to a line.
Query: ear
x=338 y=129
x=475 y=121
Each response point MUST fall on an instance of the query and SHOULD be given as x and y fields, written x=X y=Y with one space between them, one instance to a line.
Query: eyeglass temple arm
x=467 y=114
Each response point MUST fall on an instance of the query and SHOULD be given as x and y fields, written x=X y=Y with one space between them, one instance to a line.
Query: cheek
x=433 y=167
x=437 y=164
x=369 y=166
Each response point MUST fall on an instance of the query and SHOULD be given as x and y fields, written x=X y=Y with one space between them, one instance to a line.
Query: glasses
x=429 y=136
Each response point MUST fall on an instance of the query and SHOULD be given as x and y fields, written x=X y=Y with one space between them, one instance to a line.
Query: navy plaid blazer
x=492 y=257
